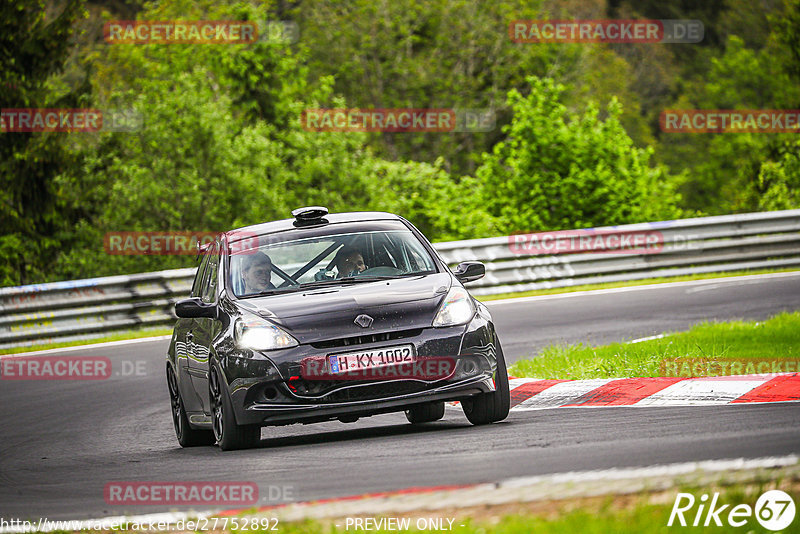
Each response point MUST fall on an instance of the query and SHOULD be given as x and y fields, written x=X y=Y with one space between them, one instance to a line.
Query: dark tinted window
x=198 y=277
x=286 y=261
x=208 y=289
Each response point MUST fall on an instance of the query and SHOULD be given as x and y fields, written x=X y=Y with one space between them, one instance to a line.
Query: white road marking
x=92 y=346
x=665 y=285
x=514 y=383
x=560 y=394
x=648 y=338
x=717 y=285
x=706 y=392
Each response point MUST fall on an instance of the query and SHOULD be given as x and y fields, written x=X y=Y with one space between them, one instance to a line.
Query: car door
x=205 y=329
x=184 y=349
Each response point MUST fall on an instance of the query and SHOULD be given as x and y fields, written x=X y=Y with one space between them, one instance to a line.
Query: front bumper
x=267 y=389
x=278 y=414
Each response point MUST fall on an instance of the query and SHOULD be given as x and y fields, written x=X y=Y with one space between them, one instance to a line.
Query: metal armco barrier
x=82 y=309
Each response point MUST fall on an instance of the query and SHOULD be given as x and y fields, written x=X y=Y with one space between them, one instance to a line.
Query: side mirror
x=469 y=271
x=194 y=307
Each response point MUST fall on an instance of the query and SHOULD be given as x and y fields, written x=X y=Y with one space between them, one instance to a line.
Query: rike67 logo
x=774 y=510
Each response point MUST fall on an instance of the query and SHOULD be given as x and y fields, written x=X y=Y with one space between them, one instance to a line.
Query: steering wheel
x=381 y=271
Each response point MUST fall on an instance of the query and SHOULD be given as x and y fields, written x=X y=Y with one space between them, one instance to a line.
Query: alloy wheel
x=177 y=406
x=216 y=405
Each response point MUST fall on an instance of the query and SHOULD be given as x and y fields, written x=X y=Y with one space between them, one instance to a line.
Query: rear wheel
x=425 y=413
x=494 y=406
x=228 y=434
x=187 y=436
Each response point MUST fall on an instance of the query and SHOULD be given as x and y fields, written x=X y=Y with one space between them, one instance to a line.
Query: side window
x=198 y=277
x=208 y=291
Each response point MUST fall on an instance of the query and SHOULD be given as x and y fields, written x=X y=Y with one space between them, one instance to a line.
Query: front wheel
x=187 y=436
x=494 y=406
x=228 y=434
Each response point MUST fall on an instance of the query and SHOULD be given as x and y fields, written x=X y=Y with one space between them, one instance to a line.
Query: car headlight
x=456 y=309
x=256 y=334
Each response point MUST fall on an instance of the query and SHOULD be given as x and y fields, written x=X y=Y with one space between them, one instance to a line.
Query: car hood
x=329 y=312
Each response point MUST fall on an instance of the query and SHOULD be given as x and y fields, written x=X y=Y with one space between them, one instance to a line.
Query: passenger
x=256 y=272
x=349 y=262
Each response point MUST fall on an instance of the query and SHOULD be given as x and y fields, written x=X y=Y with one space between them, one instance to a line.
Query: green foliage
x=730 y=172
x=452 y=54
x=557 y=169
x=223 y=148
x=34 y=48
x=221 y=145
x=742 y=79
x=787 y=33
x=780 y=180
x=428 y=197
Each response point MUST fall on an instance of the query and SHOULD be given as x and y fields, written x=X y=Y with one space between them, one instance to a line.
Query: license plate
x=371 y=359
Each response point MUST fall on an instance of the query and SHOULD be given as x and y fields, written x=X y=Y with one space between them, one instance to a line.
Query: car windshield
x=294 y=260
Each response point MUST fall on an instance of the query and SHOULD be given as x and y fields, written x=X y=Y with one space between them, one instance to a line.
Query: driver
x=349 y=262
x=256 y=272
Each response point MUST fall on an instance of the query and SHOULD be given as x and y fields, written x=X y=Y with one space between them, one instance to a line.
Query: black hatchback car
x=325 y=317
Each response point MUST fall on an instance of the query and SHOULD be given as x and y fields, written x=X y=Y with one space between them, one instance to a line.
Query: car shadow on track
x=357 y=434
x=303 y=435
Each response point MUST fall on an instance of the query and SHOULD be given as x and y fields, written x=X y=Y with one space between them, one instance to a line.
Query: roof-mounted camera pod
x=310 y=216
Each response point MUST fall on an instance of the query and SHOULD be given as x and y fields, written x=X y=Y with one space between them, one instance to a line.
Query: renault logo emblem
x=364 y=321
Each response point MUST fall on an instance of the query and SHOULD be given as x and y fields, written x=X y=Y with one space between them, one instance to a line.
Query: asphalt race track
x=62 y=441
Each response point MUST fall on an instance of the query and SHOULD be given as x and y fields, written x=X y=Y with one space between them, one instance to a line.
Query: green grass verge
x=118 y=336
x=777 y=339
x=646 y=281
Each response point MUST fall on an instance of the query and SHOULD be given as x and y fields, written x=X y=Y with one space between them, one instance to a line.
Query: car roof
x=332 y=218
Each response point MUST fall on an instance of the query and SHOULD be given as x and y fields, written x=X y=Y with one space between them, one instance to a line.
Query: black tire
x=228 y=434
x=491 y=407
x=187 y=436
x=425 y=413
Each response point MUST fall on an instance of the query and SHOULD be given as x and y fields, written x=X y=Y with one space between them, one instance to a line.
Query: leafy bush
x=558 y=169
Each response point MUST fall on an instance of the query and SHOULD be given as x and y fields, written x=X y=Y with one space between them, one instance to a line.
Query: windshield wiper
x=344 y=281
x=322 y=283
x=265 y=293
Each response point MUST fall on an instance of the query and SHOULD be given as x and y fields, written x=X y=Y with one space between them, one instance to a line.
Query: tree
x=780 y=180
x=450 y=54
x=222 y=146
x=34 y=49
x=725 y=168
x=560 y=170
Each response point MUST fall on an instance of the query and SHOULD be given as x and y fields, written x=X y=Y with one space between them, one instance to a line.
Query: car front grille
x=375 y=391
x=347 y=390
x=366 y=338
